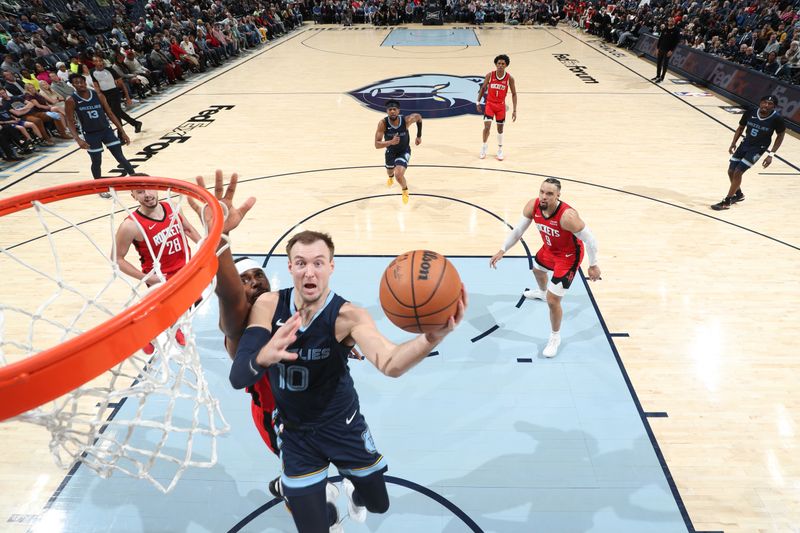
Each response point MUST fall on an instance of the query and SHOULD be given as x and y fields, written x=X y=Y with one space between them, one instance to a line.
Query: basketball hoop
x=89 y=372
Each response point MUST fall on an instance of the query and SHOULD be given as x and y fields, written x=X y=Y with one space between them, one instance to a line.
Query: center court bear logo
x=430 y=95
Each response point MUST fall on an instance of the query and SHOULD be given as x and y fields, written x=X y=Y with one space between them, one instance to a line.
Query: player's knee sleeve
x=310 y=511
x=371 y=492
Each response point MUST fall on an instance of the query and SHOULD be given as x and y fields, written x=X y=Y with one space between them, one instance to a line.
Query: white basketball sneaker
x=535 y=294
x=358 y=513
x=552 y=345
x=482 y=155
x=331 y=495
x=500 y=155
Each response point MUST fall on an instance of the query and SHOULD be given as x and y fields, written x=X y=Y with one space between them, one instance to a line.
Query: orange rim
x=51 y=373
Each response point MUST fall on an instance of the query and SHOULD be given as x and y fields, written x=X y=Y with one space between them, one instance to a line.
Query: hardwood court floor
x=709 y=300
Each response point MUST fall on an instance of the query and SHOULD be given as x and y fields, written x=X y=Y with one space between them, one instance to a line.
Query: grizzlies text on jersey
x=317 y=385
x=759 y=130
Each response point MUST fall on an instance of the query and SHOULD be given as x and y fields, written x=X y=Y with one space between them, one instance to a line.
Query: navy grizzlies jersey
x=317 y=385
x=759 y=130
x=90 y=112
x=391 y=131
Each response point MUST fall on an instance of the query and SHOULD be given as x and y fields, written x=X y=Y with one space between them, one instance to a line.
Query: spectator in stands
x=715 y=46
x=188 y=47
x=29 y=79
x=60 y=87
x=18 y=108
x=61 y=72
x=40 y=49
x=13 y=84
x=41 y=72
x=13 y=130
x=50 y=95
x=27 y=25
x=134 y=66
x=699 y=43
x=74 y=65
x=750 y=59
x=9 y=64
x=44 y=111
x=731 y=49
x=772 y=45
x=16 y=45
x=791 y=58
x=772 y=65
x=162 y=63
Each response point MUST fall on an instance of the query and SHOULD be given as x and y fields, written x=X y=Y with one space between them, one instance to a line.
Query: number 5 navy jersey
x=317 y=385
x=759 y=130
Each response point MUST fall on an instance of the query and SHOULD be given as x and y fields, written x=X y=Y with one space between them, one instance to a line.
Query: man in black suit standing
x=667 y=42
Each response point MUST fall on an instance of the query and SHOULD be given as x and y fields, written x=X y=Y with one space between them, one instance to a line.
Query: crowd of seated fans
x=393 y=12
x=761 y=35
x=170 y=40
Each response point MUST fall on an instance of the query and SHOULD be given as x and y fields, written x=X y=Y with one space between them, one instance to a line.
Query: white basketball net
x=151 y=416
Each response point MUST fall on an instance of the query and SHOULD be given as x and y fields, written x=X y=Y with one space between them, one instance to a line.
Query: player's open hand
x=276 y=349
x=435 y=337
x=767 y=161
x=124 y=138
x=225 y=197
x=478 y=107
x=496 y=258
x=418 y=141
x=732 y=149
x=514 y=116
x=594 y=273
x=83 y=144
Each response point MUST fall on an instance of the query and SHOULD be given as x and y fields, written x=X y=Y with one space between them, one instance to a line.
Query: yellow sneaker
x=390 y=181
x=405 y=196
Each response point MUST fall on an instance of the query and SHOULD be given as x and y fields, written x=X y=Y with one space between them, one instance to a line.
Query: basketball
x=420 y=291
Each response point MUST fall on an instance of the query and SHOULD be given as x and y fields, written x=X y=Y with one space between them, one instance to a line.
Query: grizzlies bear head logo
x=431 y=95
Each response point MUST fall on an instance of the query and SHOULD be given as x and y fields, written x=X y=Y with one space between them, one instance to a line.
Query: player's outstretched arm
x=391 y=359
x=233 y=305
x=515 y=234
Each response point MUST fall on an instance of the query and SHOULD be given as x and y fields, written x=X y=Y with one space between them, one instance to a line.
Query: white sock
x=555 y=334
x=485 y=146
x=500 y=139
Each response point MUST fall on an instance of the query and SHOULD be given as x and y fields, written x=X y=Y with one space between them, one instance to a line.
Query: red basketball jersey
x=558 y=240
x=166 y=233
x=498 y=88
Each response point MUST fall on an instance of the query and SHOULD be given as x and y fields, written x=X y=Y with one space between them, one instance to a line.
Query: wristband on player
x=770 y=154
x=419 y=129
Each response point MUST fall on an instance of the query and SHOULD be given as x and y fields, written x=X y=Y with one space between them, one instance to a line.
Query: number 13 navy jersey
x=90 y=112
x=317 y=385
